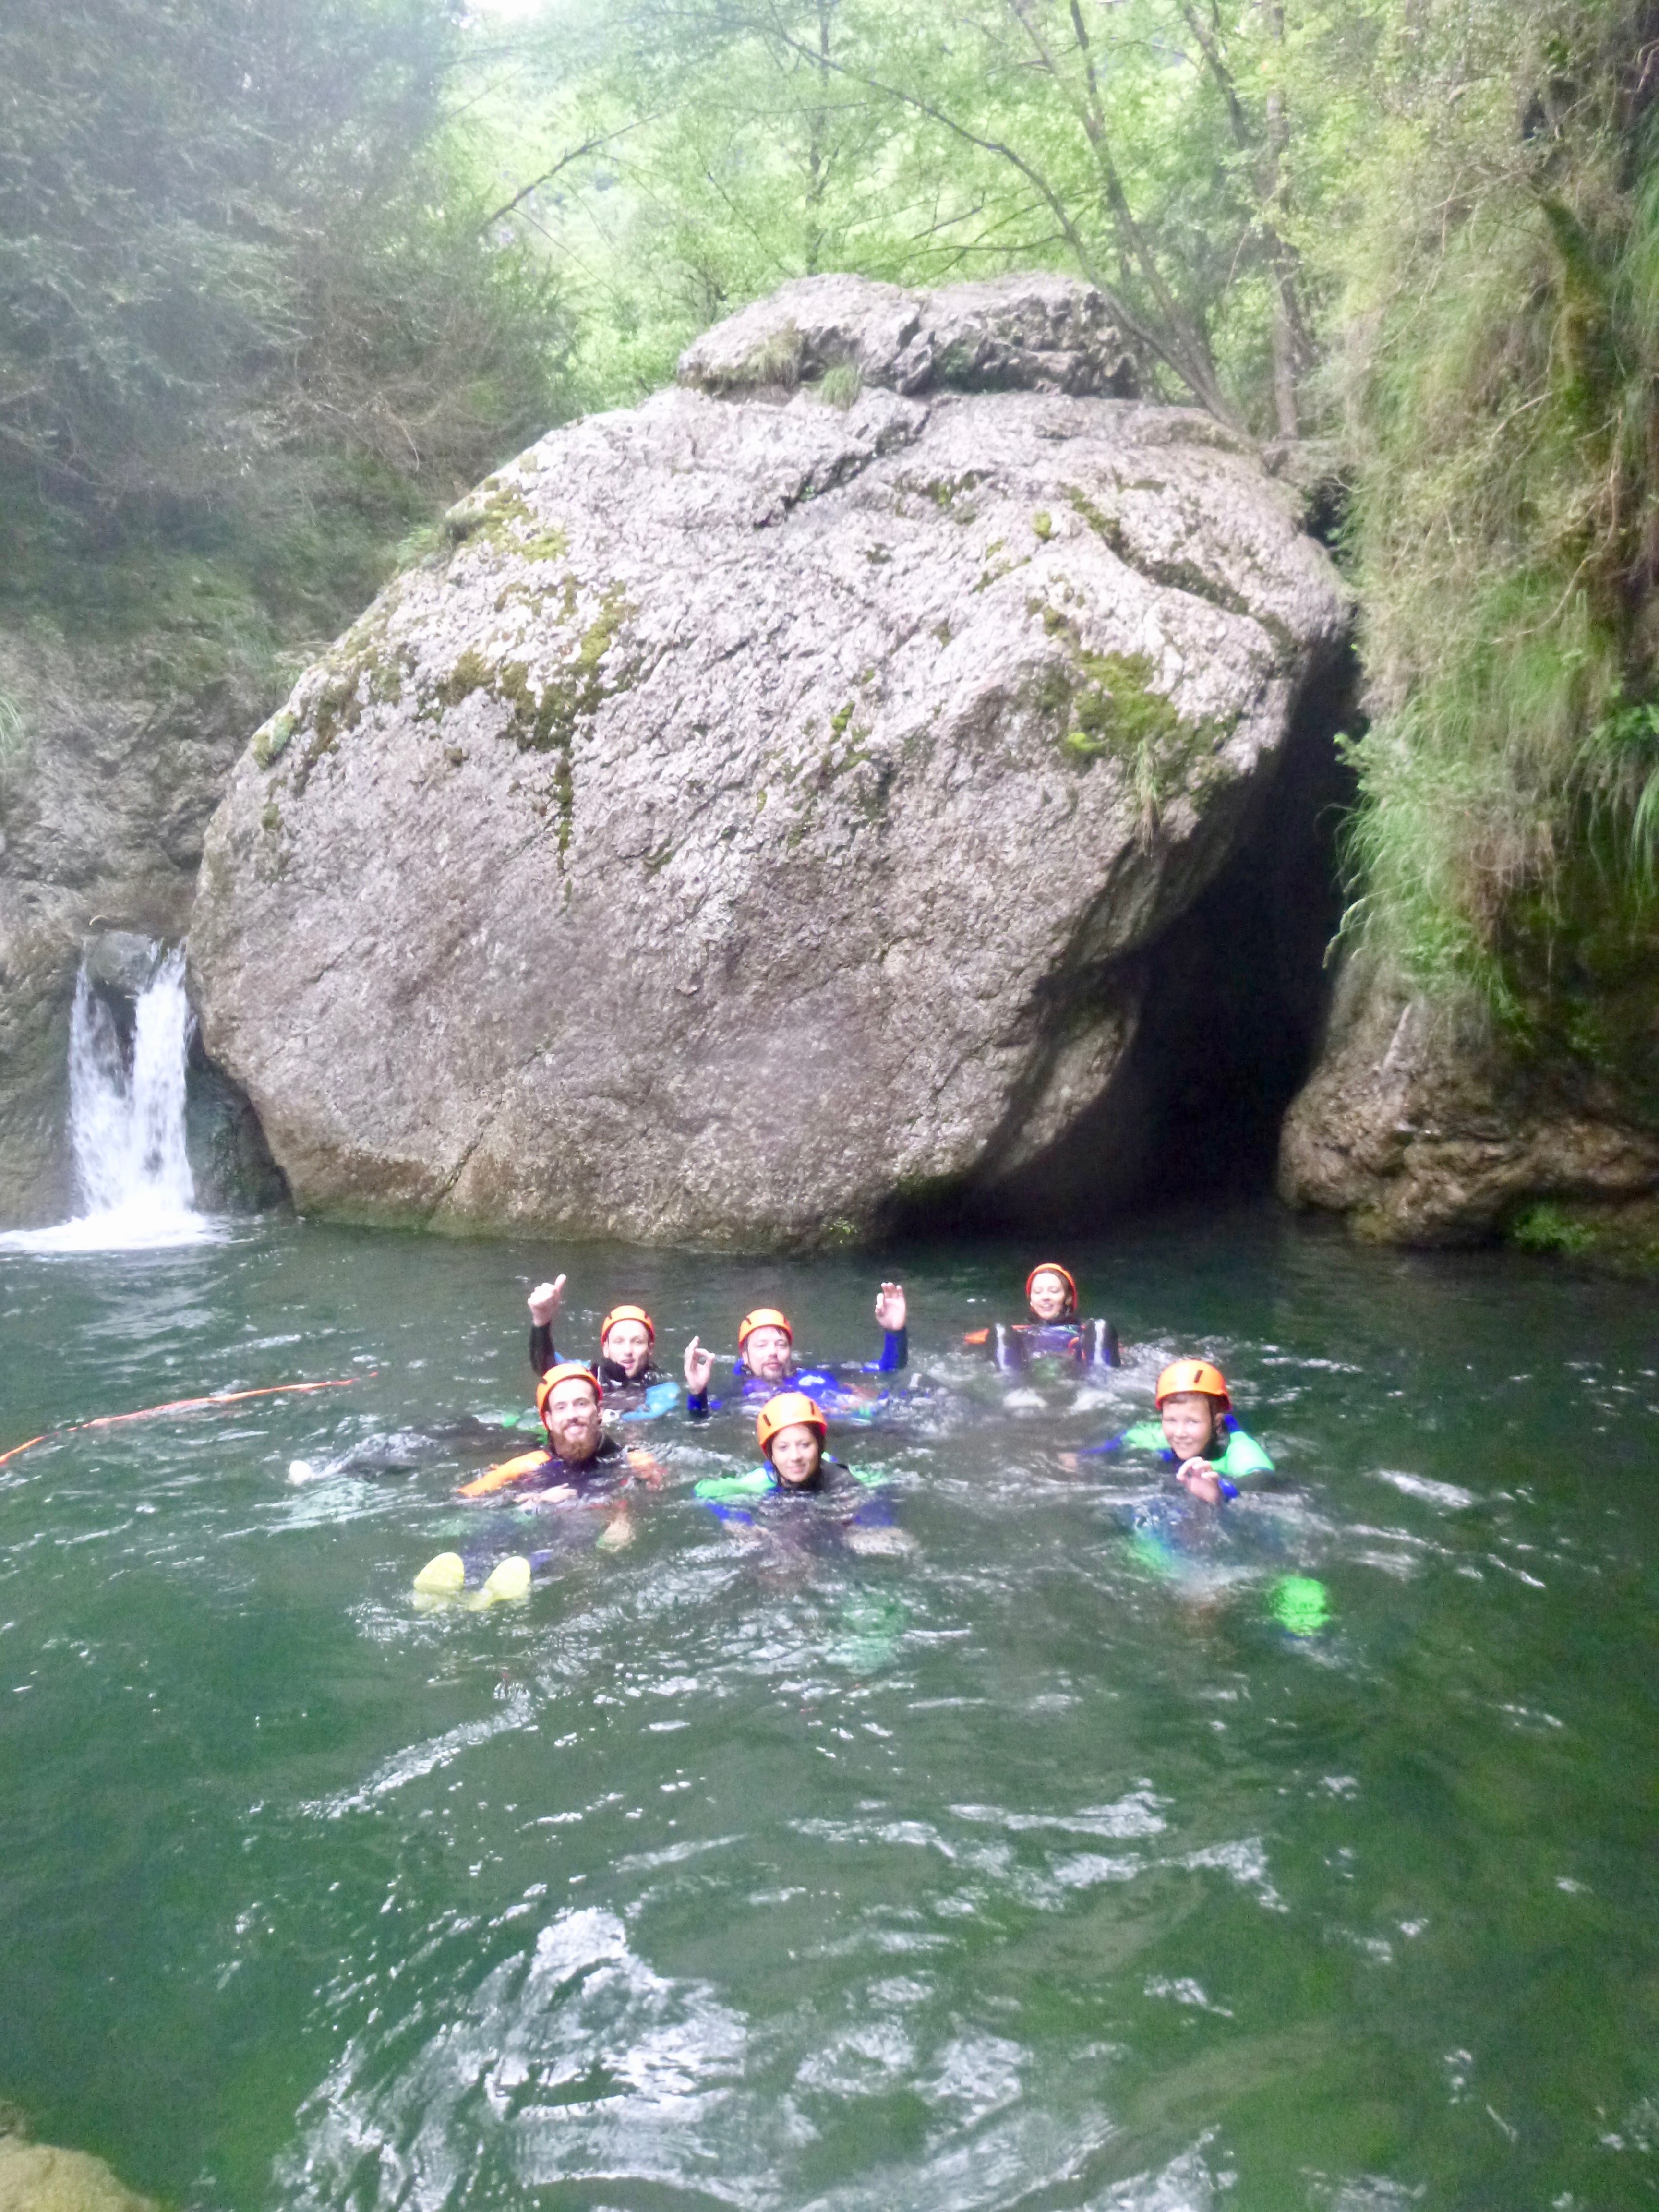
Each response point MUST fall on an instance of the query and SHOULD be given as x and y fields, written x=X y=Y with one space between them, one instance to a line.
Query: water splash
x=127 y=1124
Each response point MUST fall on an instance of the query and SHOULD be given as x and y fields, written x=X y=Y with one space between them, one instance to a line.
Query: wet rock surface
x=760 y=818
x=41 y=2178
x=116 y=759
x=1423 y=1129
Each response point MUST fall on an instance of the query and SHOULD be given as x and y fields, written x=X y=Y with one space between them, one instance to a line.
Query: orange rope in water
x=182 y=1406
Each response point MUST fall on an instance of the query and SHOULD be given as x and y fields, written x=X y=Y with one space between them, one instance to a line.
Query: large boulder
x=762 y=813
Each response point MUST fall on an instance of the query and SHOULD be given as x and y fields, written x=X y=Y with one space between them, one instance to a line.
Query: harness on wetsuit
x=1012 y=1344
x=532 y=1472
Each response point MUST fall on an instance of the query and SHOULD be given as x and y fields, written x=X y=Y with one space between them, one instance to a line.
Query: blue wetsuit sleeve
x=1103 y=1450
x=700 y=1405
x=895 y=1352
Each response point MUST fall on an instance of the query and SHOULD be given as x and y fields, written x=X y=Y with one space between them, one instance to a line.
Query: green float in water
x=1300 y=1604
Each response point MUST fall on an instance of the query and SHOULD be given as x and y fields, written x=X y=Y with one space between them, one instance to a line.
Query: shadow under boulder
x=229 y=1159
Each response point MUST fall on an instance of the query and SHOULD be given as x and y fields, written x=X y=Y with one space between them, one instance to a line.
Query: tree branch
x=587 y=146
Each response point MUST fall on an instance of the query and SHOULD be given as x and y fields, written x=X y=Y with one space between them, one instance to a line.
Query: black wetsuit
x=610 y=1461
x=1087 y=1343
x=621 y=1392
x=813 y=1514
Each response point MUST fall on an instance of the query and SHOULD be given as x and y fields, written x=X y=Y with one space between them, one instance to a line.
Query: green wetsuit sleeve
x=1145 y=1436
x=1243 y=1459
x=751 y=1485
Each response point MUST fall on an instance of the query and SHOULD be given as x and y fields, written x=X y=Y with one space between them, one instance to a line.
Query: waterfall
x=127 y=1123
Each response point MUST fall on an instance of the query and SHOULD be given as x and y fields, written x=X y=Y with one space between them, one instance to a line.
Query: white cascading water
x=127 y=1124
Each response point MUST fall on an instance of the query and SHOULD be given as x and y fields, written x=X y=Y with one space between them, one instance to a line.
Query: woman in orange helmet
x=766 y=1362
x=791 y=1432
x=1055 y=1331
x=1196 y=1434
x=626 y=1365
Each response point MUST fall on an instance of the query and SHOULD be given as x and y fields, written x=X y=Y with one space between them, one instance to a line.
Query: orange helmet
x=567 y=1371
x=763 y=1317
x=628 y=1313
x=1054 y=1268
x=790 y=1409
x=1192 y=1375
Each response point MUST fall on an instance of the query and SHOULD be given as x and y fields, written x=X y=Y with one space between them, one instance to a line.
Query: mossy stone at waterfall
x=230 y=1161
x=681 y=796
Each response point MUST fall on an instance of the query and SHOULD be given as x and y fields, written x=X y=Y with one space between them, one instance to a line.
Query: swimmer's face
x=628 y=1344
x=1189 y=1423
x=796 y=1454
x=768 y=1354
x=1050 y=1299
x=572 y=1420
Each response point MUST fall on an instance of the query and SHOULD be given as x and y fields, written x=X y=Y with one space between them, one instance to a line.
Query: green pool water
x=1047 y=1866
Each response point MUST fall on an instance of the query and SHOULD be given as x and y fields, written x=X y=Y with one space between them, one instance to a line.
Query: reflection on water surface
x=1077 y=1859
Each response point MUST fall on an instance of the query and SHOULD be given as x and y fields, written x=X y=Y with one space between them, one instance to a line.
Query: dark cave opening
x=1239 y=988
x=1233 y=997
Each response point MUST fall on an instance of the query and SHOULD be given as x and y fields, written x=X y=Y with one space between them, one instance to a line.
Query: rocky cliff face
x=111 y=760
x=766 y=814
x=1422 y=1128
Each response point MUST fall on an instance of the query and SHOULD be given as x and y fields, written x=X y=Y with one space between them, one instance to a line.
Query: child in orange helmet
x=792 y=1433
x=1054 y=1332
x=766 y=1361
x=1195 y=1434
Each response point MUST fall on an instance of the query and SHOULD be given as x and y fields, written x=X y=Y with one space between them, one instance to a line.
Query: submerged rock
x=39 y=2178
x=763 y=815
x=1425 y=1129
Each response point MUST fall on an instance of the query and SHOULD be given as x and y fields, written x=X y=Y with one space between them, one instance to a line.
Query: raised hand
x=891 y=1309
x=699 y=1366
x=1200 y=1479
x=545 y=1301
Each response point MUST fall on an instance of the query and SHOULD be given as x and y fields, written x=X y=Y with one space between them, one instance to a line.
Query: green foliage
x=727 y=145
x=248 y=320
x=1502 y=324
x=1546 y=1228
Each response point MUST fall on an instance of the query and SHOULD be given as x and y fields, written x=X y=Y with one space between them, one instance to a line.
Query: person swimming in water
x=1195 y=1434
x=626 y=1366
x=1054 y=1332
x=766 y=1362
x=580 y=1468
x=792 y=1434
